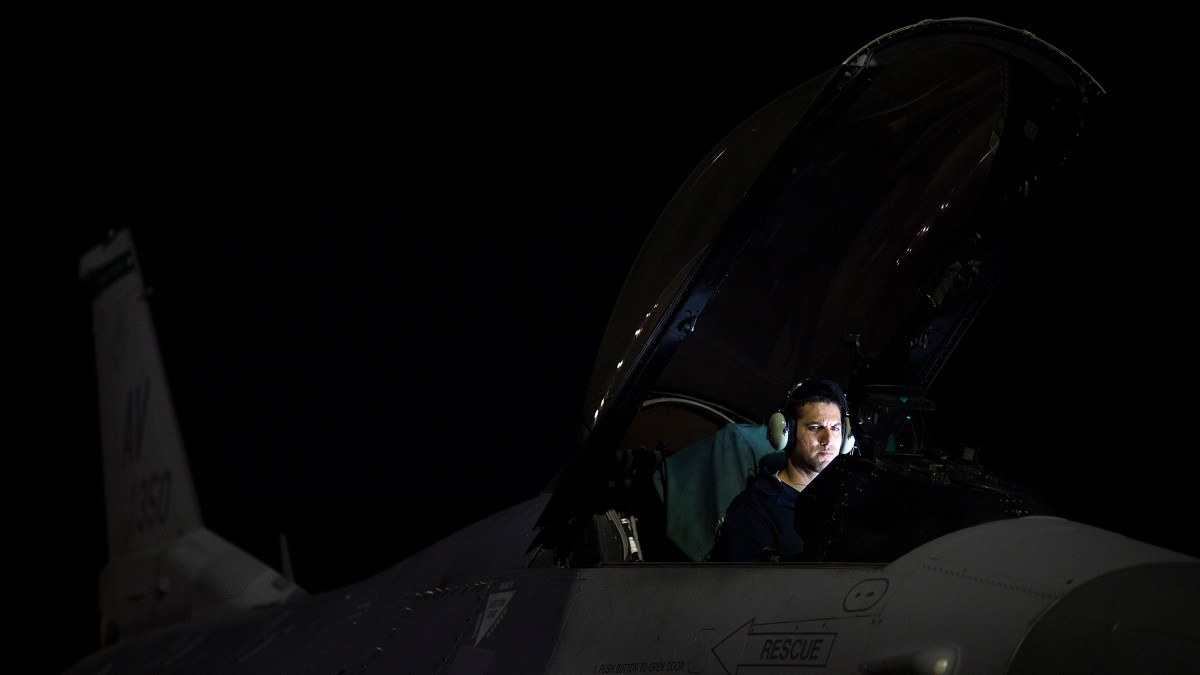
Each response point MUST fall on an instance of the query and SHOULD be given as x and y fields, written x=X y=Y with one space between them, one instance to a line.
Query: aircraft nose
x=1141 y=619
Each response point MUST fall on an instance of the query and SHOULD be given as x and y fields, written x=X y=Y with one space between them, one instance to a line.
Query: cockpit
x=850 y=230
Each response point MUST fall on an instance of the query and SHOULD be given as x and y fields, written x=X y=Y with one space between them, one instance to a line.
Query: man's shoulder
x=762 y=487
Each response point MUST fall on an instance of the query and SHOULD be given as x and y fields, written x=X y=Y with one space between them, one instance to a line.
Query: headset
x=779 y=424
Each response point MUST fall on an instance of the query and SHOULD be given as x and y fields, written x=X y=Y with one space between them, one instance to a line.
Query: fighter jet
x=851 y=230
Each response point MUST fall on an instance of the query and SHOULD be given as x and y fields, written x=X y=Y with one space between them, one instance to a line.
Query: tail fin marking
x=164 y=566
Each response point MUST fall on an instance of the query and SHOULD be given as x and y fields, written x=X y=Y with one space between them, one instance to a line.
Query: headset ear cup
x=777 y=431
x=847 y=437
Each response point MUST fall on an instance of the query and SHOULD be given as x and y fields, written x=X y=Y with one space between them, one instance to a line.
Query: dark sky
x=381 y=270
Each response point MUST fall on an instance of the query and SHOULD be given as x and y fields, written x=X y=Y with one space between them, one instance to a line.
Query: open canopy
x=850 y=230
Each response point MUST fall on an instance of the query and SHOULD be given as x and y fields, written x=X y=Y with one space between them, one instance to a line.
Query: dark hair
x=816 y=390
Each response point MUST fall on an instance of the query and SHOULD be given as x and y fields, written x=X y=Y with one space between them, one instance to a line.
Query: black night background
x=382 y=262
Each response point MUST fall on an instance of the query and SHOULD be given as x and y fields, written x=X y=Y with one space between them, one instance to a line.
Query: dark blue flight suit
x=760 y=523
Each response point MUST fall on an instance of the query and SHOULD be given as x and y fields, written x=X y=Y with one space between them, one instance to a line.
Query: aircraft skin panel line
x=930 y=605
x=429 y=611
x=937 y=603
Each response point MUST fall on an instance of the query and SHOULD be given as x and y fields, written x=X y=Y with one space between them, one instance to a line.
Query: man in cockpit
x=759 y=524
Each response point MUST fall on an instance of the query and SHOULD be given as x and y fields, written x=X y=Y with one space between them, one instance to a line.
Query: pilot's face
x=818 y=435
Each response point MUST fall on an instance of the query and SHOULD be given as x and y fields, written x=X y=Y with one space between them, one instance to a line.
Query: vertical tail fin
x=163 y=565
x=149 y=494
